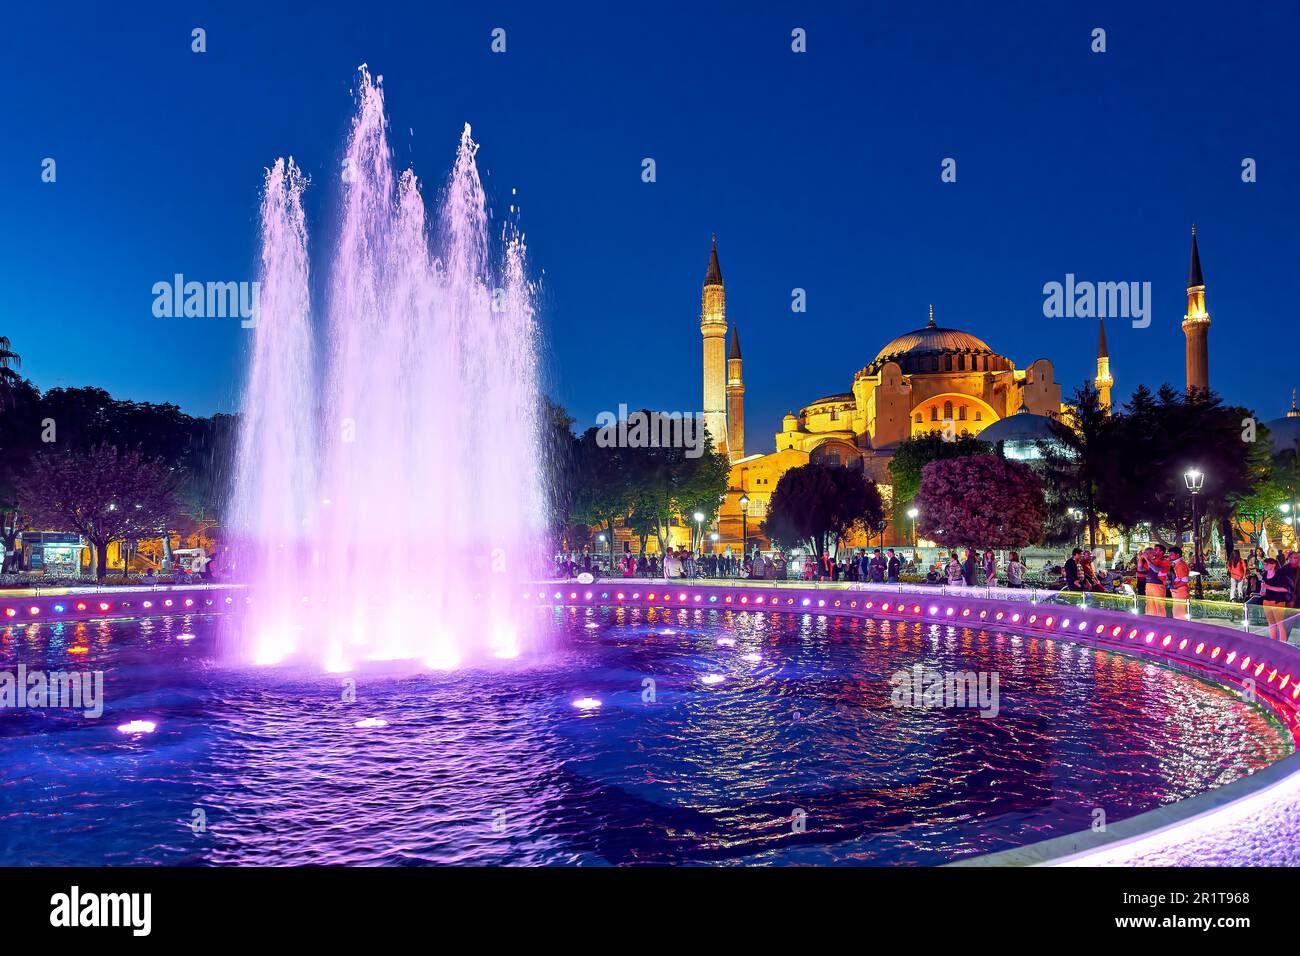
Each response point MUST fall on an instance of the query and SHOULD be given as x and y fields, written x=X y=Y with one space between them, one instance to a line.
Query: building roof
x=1194 y=277
x=1102 y=351
x=828 y=399
x=1284 y=432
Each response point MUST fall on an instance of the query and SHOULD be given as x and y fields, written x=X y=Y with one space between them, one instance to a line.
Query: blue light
x=59 y=609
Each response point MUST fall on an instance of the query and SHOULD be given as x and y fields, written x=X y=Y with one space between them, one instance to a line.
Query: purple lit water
x=497 y=766
x=387 y=499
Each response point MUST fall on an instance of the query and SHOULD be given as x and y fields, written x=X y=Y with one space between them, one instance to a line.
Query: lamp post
x=912 y=513
x=1194 y=479
x=699 y=530
x=744 y=526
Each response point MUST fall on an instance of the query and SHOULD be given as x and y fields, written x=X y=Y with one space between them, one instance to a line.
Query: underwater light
x=752 y=657
x=185 y=637
x=726 y=641
x=712 y=678
x=137 y=727
x=586 y=703
x=367 y=723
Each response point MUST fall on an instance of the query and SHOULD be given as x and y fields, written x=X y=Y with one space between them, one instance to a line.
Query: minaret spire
x=1294 y=412
x=1103 y=381
x=735 y=400
x=1196 y=324
x=713 y=328
x=930 y=324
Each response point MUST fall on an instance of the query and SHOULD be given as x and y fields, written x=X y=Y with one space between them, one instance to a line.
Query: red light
x=869 y=604
x=745 y=599
x=1182 y=645
x=79 y=649
x=573 y=595
x=1285 y=680
x=103 y=606
x=1099 y=629
x=1015 y=618
x=33 y=610
x=1215 y=653
x=965 y=612
x=619 y=596
x=1032 y=618
x=189 y=602
x=1116 y=631
x=789 y=600
x=1169 y=639
x=10 y=612
x=168 y=602
x=983 y=615
x=651 y=596
x=1133 y=633
x=81 y=605
x=148 y=604
x=999 y=615
x=837 y=603
x=1272 y=676
x=1050 y=621
x=1260 y=669
x=1245 y=662
x=728 y=601
x=916 y=609
x=853 y=604
x=884 y=607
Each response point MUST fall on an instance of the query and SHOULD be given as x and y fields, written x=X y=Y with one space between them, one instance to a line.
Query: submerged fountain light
x=753 y=658
x=137 y=727
x=185 y=637
x=370 y=723
x=587 y=703
x=712 y=679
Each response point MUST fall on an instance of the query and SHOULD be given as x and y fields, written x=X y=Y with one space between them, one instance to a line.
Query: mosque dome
x=1284 y=432
x=919 y=351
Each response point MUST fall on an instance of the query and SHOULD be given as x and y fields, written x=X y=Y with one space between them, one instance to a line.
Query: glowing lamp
x=137 y=727
x=586 y=703
x=103 y=605
x=10 y=612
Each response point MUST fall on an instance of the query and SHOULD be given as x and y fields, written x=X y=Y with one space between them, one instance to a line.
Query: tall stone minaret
x=713 y=326
x=1196 y=325
x=735 y=400
x=1103 y=381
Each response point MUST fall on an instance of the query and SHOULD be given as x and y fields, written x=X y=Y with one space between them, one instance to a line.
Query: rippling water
x=795 y=756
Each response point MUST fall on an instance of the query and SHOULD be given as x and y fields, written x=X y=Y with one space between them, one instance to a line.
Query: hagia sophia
x=931 y=379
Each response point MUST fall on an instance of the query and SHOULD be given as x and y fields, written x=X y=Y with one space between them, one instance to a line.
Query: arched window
x=918 y=418
x=979 y=416
x=947 y=411
x=947 y=363
x=961 y=413
x=934 y=413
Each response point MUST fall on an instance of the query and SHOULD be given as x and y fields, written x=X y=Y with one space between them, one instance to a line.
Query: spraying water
x=388 y=499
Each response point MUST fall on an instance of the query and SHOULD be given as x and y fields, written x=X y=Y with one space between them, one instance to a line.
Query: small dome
x=1024 y=426
x=1284 y=433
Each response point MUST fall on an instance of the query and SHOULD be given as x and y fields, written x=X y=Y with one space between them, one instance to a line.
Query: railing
x=1252 y=618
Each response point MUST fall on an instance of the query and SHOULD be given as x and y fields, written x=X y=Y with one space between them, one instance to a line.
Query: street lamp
x=912 y=513
x=699 y=530
x=1194 y=479
x=744 y=525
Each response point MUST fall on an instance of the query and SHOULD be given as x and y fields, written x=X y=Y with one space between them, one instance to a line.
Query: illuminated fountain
x=372 y=513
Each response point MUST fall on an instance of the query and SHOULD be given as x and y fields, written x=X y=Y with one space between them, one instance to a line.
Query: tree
x=9 y=378
x=1082 y=458
x=817 y=506
x=913 y=454
x=100 y=494
x=982 y=501
x=668 y=484
x=603 y=492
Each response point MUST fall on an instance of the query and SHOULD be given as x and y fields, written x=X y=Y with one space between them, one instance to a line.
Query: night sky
x=819 y=171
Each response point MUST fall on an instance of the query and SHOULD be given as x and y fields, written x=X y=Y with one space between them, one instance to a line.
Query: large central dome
x=932 y=339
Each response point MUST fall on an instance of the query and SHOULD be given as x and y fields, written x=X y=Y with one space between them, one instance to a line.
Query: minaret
x=1196 y=325
x=735 y=400
x=713 y=326
x=1103 y=381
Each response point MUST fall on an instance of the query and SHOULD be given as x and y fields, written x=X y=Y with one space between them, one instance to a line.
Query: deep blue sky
x=818 y=170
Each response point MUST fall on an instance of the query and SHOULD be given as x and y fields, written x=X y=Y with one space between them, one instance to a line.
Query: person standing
x=1015 y=571
x=1157 y=576
x=892 y=567
x=990 y=569
x=1236 y=577
x=1276 y=584
x=1179 y=582
x=955 y=575
x=968 y=568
